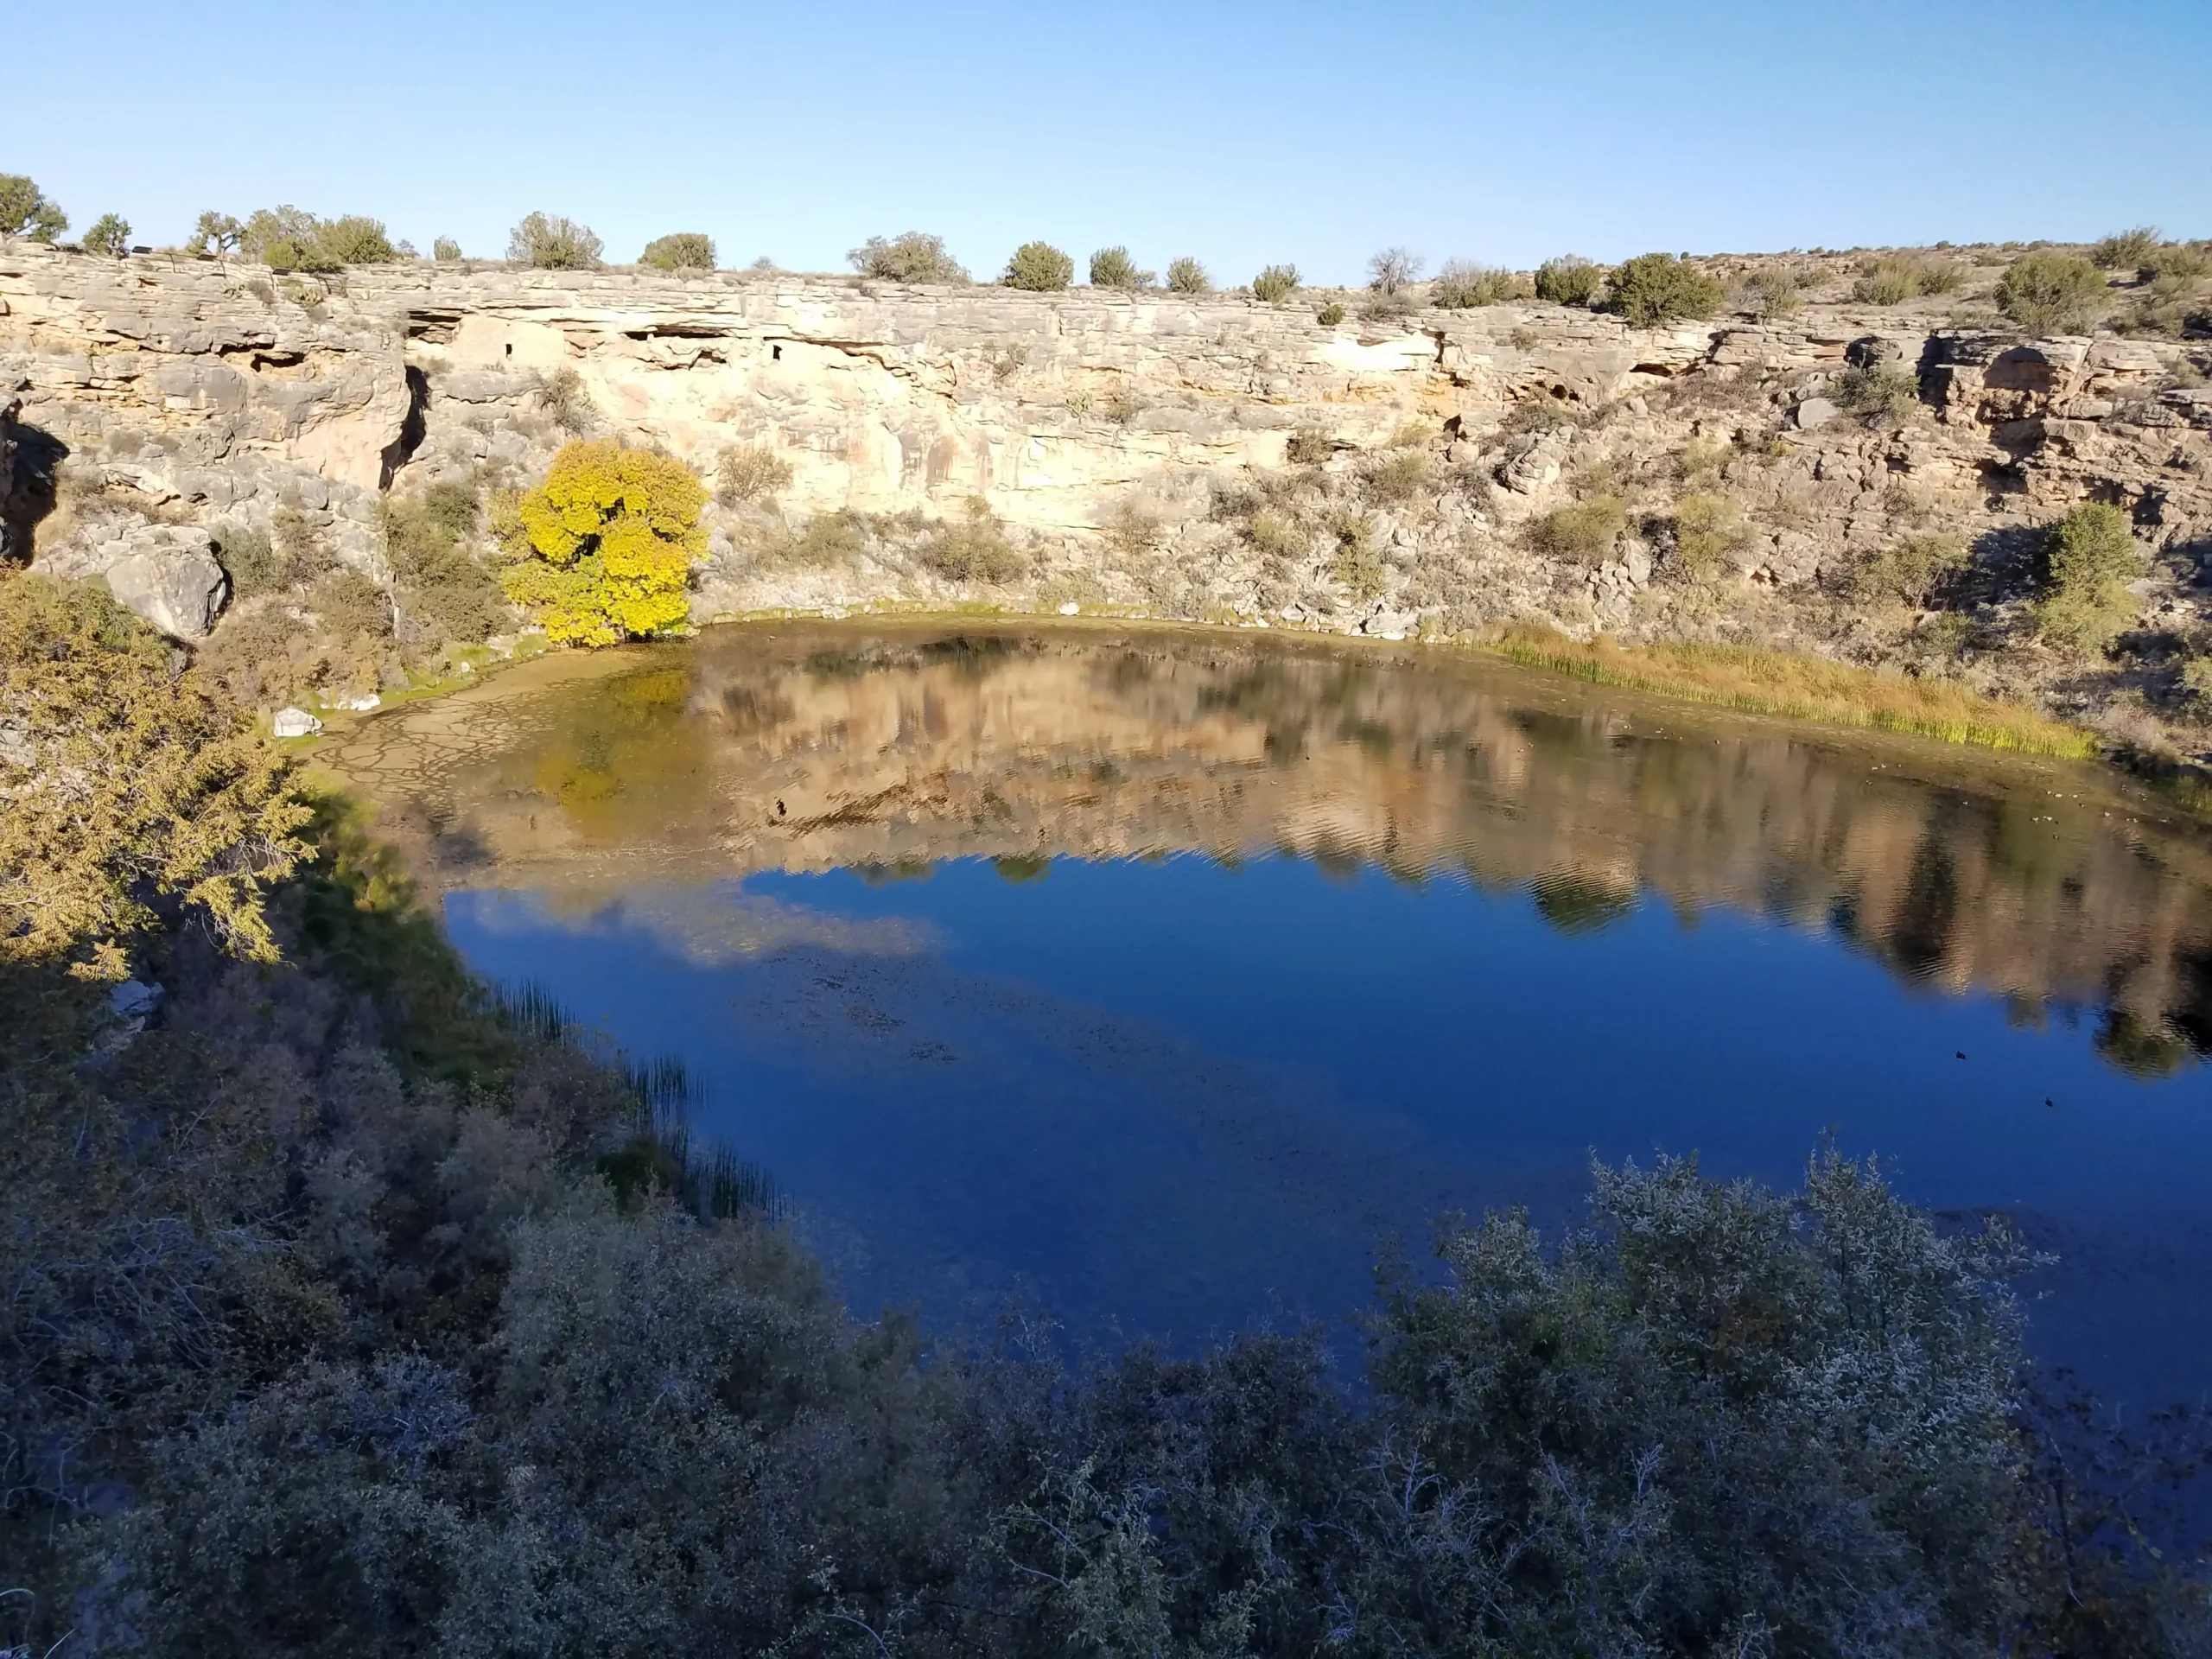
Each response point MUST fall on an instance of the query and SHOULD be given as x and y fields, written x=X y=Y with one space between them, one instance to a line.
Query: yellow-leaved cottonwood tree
x=604 y=548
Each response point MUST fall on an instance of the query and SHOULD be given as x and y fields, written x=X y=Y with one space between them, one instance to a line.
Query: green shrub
x=1276 y=535
x=910 y=256
x=445 y=250
x=973 y=549
x=1582 y=533
x=1275 y=284
x=2181 y=261
x=2197 y=682
x=128 y=784
x=1707 y=528
x=1397 y=477
x=1657 y=288
x=284 y=238
x=838 y=537
x=567 y=403
x=215 y=232
x=1888 y=282
x=1462 y=283
x=1898 y=277
x=26 y=210
x=1941 y=275
x=349 y=607
x=1330 y=315
x=353 y=239
x=442 y=587
x=1879 y=388
x=250 y=559
x=1358 y=562
x=1913 y=568
x=750 y=473
x=2126 y=249
x=1187 y=275
x=2089 y=558
x=303 y=555
x=1132 y=529
x=289 y=239
x=679 y=251
x=2164 y=305
x=1568 y=279
x=1039 y=267
x=1702 y=455
x=110 y=236
x=2051 y=293
x=1309 y=447
x=548 y=242
x=1113 y=268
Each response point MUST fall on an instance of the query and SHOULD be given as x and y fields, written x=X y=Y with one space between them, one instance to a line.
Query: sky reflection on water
x=1154 y=978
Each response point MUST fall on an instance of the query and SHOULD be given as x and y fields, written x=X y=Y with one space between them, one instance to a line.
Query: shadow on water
x=664 y=1152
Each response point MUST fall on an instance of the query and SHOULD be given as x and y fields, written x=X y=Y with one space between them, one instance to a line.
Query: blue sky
x=1243 y=133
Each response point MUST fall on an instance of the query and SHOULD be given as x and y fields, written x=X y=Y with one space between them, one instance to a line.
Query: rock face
x=218 y=395
x=9 y=411
x=167 y=573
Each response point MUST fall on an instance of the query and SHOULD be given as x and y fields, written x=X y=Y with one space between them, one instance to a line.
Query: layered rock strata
x=205 y=394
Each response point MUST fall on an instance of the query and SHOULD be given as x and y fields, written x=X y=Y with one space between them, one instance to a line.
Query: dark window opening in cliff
x=775 y=353
x=511 y=348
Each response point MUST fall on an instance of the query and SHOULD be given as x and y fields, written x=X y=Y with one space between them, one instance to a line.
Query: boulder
x=168 y=574
x=1816 y=411
x=1534 y=466
x=296 y=722
x=1390 y=625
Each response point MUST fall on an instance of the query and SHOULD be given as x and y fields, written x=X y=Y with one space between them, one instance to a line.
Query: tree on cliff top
x=292 y=238
x=1113 y=268
x=26 y=211
x=216 y=233
x=682 y=251
x=1655 y=288
x=128 y=786
x=910 y=256
x=603 y=548
x=110 y=235
x=1039 y=267
x=548 y=242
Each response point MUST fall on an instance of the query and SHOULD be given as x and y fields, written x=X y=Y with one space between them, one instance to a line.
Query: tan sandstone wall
x=207 y=394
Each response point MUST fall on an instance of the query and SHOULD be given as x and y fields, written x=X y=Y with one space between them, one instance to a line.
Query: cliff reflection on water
x=888 y=750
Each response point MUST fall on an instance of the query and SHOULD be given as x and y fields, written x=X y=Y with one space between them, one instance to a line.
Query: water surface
x=1153 y=978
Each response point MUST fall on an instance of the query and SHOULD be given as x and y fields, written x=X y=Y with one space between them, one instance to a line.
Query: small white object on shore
x=296 y=722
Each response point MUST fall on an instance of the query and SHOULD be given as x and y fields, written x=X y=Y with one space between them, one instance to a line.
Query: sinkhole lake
x=1150 y=980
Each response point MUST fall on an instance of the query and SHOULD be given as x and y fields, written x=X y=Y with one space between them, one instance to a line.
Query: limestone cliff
x=1111 y=434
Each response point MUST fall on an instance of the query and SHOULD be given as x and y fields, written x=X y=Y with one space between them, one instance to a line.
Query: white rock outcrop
x=168 y=574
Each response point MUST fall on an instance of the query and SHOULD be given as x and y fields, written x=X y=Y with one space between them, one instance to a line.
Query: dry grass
x=1800 y=688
